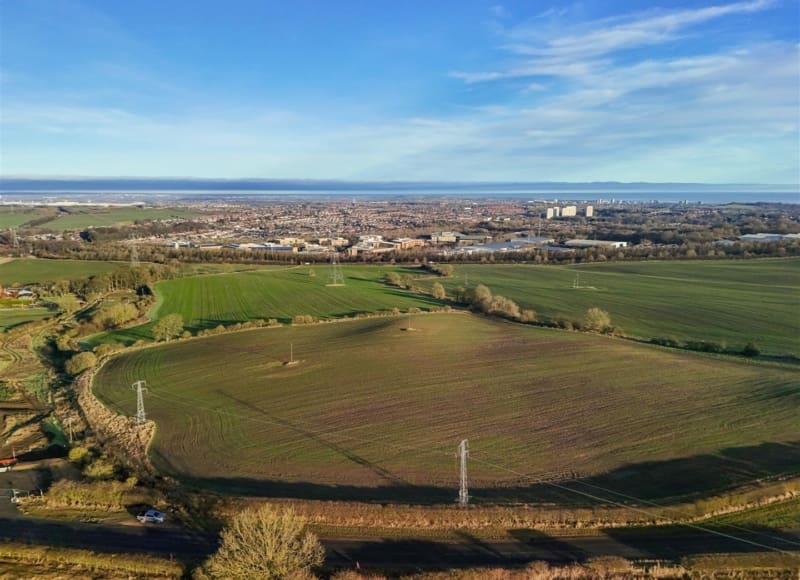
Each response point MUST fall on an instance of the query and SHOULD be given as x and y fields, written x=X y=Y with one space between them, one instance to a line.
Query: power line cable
x=637 y=509
x=655 y=504
x=527 y=477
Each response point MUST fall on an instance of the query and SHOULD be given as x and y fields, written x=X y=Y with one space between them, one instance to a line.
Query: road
x=407 y=554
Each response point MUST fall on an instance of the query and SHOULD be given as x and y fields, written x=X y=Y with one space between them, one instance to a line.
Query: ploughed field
x=731 y=301
x=375 y=408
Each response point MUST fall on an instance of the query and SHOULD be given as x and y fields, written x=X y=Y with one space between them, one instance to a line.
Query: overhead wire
x=527 y=477
x=634 y=508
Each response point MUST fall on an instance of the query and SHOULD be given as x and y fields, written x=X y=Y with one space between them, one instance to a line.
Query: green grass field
x=10 y=317
x=81 y=218
x=783 y=515
x=724 y=301
x=281 y=293
x=731 y=302
x=375 y=409
x=33 y=270
x=13 y=218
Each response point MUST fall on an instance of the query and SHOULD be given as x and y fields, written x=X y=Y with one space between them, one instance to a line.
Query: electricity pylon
x=139 y=387
x=463 y=491
x=336 y=277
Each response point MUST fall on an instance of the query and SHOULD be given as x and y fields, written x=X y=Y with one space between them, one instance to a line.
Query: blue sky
x=402 y=90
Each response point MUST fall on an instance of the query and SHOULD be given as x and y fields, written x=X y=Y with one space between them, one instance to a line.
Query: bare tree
x=438 y=292
x=597 y=320
x=261 y=542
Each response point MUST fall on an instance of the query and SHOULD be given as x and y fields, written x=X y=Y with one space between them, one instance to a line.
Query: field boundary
x=128 y=442
x=752 y=494
x=138 y=564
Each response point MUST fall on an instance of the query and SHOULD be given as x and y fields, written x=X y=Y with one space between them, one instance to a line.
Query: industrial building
x=594 y=244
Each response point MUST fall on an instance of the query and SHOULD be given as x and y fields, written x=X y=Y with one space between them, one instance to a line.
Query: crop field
x=95 y=217
x=33 y=270
x=10 y=317
x=723 y=301
x=374 y=409
x=280 y=293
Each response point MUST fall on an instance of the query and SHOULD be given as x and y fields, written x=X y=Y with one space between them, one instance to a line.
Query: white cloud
x=613 y=34
x=730 y=114
x=574 y=54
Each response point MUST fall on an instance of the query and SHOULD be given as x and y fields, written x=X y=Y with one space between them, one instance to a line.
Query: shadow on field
x=702 y=474
x=663 y=482
x=526 y=547
x=557 y=550
x=415 y=555
x=674 y=542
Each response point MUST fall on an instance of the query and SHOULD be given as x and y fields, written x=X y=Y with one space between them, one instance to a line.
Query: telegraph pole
x=139 y=387
x=463 y=492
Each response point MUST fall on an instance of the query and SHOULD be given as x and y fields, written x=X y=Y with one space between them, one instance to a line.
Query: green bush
x=106 y=349
x=750 y=349
x=114 y=315
x=6 y=391
x=78 y=455
x=168 y=327
x=100 y=494
x=705 y=346
x=80 y=362
x=100 y=469
x=665 y=341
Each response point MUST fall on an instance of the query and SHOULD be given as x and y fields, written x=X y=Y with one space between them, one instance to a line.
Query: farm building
x=20 y=293
x=8 y=464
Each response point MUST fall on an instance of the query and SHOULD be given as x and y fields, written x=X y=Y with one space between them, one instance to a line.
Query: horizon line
x=382 y=182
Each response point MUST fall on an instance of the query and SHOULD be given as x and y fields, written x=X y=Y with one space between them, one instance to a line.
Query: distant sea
x=171 y=190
